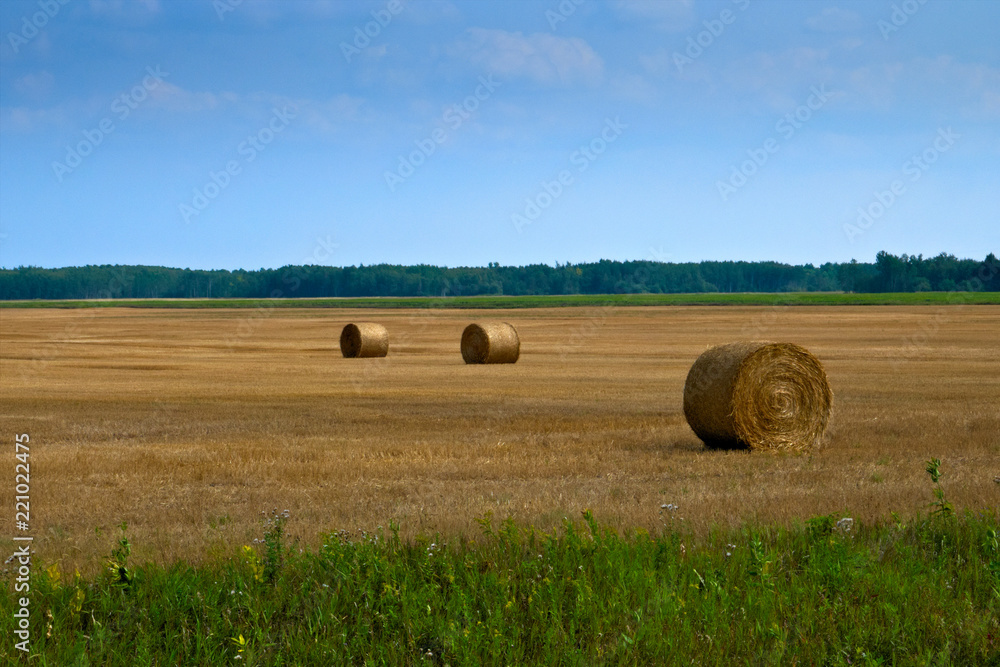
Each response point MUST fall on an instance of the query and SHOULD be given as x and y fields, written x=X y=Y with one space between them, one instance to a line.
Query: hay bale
x=490 y=343
x=364 y=339
x=758 y=395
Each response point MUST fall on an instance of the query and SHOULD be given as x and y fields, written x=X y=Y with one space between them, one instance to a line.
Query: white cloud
x=166 y=95
x=965 y=89
x=834 y=19
x=36 y=85
x=669 y=15
x=174 y=100
x=660 y=64
x=634 y=88
x=991 y=102
x=775 y=80
x=325 y=115
x=25 y=120
x=330 y=115
x=541 y=57
x=264 y=13
x=974 y=86
x=125 y=7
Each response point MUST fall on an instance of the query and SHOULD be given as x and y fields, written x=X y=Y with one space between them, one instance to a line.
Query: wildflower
x=241 y=643
x=845 y=524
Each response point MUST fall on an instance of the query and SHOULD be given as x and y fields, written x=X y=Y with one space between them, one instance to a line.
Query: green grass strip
x=548 y=301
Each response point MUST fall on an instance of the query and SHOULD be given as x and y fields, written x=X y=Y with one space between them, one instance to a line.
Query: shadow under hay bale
x=490 y=343
x=758 y=395
x=364 y=339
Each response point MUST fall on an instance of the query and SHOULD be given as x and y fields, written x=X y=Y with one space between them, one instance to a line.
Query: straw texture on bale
x=490 y=343
x=364 y=339
x=758 y=395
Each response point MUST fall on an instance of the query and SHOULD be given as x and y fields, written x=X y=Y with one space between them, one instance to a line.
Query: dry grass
x=187 y=424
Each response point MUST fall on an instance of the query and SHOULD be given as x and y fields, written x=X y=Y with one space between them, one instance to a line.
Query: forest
x=888 y=273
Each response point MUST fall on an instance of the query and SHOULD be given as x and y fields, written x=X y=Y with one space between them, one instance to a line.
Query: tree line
x=888 y=273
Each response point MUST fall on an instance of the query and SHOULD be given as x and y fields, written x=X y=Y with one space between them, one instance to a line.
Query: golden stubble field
x=187 y=424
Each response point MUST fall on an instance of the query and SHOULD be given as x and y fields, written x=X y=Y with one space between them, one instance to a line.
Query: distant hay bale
x=490 y=343
x=758 y=395
x=364 y=339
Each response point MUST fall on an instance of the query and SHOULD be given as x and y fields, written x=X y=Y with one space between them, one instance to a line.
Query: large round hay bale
x=490 y=343
x=364 y=339
x=758 y=395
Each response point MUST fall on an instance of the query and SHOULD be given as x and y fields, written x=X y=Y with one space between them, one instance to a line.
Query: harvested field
x=188 y=423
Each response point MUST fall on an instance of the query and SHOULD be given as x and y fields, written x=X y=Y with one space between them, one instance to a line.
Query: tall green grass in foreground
x=829 y=591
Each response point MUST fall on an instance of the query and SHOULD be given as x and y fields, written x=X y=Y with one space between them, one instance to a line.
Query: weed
x=274 y=547
x=941 y=506
x=820 y=526
x=118 y=563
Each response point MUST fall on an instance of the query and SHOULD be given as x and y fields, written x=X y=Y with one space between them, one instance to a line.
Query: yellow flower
x=242 y=643
x=253 y=560
x=77 y=603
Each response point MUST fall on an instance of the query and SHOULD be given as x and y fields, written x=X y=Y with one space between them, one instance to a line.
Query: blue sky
x=228 y=134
